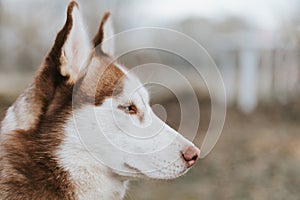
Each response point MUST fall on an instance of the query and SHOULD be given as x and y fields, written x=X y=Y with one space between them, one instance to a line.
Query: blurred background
x=255 y=45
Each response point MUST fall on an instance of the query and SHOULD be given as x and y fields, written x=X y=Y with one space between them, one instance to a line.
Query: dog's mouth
x=134 y=170
x=185 y=170
x=139 y=174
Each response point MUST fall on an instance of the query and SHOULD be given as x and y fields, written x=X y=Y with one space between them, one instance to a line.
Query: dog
x=84 y=128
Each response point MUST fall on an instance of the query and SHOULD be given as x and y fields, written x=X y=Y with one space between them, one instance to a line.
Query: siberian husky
x=84 y=128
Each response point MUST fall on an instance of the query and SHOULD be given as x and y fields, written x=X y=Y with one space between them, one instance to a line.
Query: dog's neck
x=92 y=182
x=24 y=113
x=95 y=182
x=92 y=179
x=40 y=99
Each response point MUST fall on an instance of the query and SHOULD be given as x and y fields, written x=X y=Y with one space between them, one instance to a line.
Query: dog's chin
x=173 y=176
x=156 y=174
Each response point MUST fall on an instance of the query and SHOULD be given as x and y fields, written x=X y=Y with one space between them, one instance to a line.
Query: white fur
x=104 y=146
x=92 y=180
x=108 y=45
x=21 y=115
x=10 y=122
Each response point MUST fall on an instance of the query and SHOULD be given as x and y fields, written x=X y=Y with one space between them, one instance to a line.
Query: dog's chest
x=90 y=184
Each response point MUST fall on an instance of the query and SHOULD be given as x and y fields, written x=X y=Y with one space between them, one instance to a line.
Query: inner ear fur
x=71 y=50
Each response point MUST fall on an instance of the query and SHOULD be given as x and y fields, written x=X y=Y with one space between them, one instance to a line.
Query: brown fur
x=102 y=80
x=28 y=166
x=109 y=84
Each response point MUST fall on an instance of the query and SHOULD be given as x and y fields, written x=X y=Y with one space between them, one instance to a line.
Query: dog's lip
x=182 y=172
x=185 y=170
x=136 y=170
x=139 y=172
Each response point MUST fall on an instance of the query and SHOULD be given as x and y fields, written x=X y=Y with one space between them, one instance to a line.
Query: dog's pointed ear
x=103 y=40
x=72 y=48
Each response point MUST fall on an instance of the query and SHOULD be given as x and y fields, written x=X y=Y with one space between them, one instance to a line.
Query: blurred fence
x=253 y=76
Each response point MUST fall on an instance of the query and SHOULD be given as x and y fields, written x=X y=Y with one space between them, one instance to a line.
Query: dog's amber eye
x=131 y=109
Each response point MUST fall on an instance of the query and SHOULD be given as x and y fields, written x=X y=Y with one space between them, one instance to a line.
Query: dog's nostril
x=195 y=157
x=191 y=155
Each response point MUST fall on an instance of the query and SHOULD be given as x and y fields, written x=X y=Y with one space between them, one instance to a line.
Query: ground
x=257 y=157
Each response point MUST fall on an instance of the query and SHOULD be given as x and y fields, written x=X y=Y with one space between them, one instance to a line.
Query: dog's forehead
x=103 y=79
x=112 y=79
x=134 y=88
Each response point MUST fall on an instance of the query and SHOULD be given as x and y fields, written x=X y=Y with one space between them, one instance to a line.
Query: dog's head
x=111 y=116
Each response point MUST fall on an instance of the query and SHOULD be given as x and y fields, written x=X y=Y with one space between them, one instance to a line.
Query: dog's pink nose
x=191 y=155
